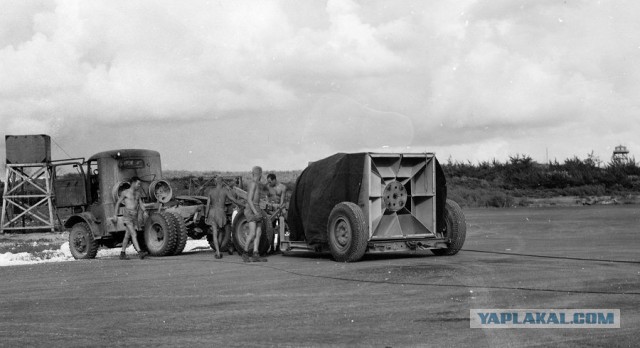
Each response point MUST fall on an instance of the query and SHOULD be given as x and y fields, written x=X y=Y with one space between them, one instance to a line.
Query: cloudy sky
x=225 y=85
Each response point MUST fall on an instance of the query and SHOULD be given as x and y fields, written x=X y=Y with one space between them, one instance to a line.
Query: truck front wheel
x=81 y=242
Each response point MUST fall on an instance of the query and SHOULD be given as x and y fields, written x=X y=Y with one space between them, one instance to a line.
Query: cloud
x=476 y=79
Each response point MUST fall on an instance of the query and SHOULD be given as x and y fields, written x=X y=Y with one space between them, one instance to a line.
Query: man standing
x=132 y=202
x=254 y=216
x=277 y=194
x=217 y=217
x=229 y=208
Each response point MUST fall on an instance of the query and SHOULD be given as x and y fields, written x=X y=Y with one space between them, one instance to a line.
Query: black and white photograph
x=319 y=173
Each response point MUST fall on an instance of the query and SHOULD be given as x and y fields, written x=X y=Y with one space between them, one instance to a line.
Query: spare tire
x=456 y=231
x=348 y=233
x=160 y=191
x=241 y=231
x=160 y=235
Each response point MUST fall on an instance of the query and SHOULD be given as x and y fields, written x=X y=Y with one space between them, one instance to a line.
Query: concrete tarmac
x=519 y=258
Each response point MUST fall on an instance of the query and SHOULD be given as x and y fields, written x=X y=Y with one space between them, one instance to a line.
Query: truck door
x=69 y=185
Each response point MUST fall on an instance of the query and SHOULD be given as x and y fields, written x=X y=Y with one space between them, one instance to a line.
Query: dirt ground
x=514 y=258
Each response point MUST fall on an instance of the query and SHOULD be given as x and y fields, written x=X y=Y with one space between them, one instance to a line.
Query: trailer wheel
x=81 y=242
x=181 y=230
x=160 y=236
x=241 y=231
x=221 y=235
x=348 y=232
x=456 y=230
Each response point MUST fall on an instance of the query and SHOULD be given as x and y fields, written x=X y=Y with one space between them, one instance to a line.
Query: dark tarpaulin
x=332 y=180
x=321 y=186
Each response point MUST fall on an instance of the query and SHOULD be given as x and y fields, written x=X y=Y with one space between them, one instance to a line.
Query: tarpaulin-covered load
x=339 y=178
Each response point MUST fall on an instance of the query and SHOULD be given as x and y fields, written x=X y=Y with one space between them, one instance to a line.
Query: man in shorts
x=132 y=202
x=217 y=217
x=230 y=204
x=277 y=194
x=254 y=216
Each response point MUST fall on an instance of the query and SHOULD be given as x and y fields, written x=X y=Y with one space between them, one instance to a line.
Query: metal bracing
x=28 y=193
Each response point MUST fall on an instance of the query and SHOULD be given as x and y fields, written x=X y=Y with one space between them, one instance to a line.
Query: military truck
x=165 y=222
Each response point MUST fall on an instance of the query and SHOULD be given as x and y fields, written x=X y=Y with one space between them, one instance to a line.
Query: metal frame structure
x=27 y=176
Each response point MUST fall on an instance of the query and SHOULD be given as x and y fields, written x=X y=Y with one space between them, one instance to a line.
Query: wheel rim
x=448 y=225
x=243 y=232
x=79 y=243
x=155 y=237
x=342 y=233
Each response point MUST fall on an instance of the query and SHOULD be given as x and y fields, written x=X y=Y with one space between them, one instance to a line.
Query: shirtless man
x=254 y=216
x=217 y=217
x=132 y=202
x=276 y=190
x=277 y=193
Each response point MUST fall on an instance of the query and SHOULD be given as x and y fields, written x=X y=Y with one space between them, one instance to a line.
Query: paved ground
x=194 y=300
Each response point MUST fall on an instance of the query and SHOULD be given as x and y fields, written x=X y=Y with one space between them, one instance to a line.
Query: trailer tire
x=456 y=230
x=181 y=230
x=81 y=242
x=348 y=233
x=222 y=247
x=240 y=231
x=160 y=235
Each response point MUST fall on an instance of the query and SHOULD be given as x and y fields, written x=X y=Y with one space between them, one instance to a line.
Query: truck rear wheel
x=160 y=236
x=241 y=232
x=81 y=242
x=348 y=232
x=181 y=230
x=456 y=231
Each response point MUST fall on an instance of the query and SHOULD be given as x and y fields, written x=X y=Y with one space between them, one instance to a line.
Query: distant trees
x=521 y=172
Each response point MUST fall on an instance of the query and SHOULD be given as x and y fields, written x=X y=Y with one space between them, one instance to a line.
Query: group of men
x=221 y=199
x=219 y=219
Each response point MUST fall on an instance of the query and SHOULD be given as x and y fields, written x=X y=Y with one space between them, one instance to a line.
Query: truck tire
x=348 y=232
x=456 y=231
x=240 y=231
x=181 y=230
x=160 y=235
x=81 y=242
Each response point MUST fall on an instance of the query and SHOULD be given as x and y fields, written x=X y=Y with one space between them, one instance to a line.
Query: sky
x=226 y=85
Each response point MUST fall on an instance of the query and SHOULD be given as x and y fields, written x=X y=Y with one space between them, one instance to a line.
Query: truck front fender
x=87 y=217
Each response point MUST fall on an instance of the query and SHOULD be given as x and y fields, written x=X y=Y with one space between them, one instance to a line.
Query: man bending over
x=217 y=217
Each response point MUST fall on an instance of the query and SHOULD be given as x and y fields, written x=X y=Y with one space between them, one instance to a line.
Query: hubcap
x=159 y=233
x=342 y=233
x=394 y=196
x=79 y=243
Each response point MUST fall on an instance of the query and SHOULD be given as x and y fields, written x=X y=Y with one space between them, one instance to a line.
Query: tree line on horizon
x=495 y=183
x=522 y=172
